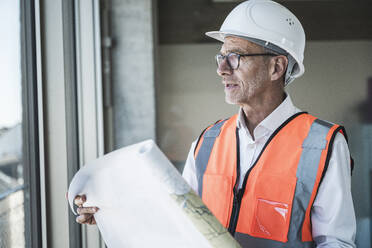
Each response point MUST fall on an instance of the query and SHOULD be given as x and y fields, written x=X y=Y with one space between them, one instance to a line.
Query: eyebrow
x=236 y=50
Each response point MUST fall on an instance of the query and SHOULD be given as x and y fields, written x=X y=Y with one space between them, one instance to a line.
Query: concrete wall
x=190 y=96
x=133 y=71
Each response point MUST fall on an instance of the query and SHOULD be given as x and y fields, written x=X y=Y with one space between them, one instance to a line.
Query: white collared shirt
x=332 y=216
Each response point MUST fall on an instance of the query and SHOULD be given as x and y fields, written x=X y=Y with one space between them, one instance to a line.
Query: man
x=272 y=175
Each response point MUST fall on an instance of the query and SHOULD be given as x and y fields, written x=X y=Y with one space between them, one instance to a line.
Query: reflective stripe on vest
x=313 y=138
x=209 y=136
x=312 y=147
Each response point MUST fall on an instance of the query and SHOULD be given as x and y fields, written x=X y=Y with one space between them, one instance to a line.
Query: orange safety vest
x=272 y=209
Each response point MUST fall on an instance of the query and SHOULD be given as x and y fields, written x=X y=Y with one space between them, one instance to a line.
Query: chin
x=228 y=100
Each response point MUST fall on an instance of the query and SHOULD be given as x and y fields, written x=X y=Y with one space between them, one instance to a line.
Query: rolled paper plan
x=143 y=201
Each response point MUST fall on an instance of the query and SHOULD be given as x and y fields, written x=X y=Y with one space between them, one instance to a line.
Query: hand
x=86 y=214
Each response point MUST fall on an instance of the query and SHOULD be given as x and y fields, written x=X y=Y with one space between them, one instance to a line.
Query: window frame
x=32 y=164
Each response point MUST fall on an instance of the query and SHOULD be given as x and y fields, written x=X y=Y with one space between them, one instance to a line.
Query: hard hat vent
x=290 y=22
x=273 y=18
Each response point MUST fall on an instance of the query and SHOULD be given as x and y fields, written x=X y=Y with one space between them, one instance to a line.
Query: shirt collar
x=285 y=110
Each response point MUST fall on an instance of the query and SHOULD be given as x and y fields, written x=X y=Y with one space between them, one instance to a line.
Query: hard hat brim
x=218 y=35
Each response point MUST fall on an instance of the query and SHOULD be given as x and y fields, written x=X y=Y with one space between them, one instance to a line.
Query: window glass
x=12 y=220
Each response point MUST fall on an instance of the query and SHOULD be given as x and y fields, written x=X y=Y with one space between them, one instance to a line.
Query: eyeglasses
x=233 y=59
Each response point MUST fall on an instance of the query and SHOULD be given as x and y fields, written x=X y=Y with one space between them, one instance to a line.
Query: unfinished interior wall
x=190 y=96
x=133 y=92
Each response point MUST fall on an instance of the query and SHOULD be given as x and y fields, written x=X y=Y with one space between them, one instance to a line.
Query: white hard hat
x=268 y=22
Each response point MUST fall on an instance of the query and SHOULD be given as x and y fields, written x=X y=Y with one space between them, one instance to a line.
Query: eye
x=232 y=55
x=233 y=59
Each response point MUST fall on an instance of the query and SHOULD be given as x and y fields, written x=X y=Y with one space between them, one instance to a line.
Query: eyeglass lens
x=232 y=60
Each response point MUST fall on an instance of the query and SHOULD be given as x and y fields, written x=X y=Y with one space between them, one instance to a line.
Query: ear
x=278 y=67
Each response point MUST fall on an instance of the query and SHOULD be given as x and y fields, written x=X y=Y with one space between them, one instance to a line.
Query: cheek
x=261 y=76
x=248 y=80
x=251 y=75
x=258 y=75
x=248 y=72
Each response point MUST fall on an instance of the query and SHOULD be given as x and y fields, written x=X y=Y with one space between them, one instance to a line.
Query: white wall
x=335 y=79
x=190 y=94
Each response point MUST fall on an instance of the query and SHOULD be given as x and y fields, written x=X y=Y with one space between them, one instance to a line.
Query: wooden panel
x=187 y=21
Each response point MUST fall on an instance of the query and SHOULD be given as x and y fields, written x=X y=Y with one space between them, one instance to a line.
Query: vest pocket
x=270 y=219
x=273 y=206
x=217 y=193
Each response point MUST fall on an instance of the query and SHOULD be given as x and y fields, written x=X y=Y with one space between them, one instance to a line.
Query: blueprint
x=145 y=202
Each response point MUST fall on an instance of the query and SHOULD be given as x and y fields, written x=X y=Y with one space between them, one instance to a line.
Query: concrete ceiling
x=186 y=21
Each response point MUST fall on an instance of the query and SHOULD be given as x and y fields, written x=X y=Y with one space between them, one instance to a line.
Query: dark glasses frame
x=219 y=57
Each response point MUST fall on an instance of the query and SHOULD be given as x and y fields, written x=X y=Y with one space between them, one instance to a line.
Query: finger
x=66 y=195
x=79 y=200
x=87 y=210
x=84 y=218
x=92 y=221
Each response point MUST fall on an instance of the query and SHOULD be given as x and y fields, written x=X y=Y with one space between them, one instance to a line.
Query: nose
x=224 y=68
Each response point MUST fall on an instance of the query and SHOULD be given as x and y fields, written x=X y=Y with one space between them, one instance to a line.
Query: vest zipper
x=238 y=196
x=236 y=202
x=238 y=193
x=235 y=211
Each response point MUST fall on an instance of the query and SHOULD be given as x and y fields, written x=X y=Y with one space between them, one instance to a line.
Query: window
x=12 y=214
x=19 y=174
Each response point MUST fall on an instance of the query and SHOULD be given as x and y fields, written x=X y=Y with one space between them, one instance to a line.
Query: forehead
x=232 y=43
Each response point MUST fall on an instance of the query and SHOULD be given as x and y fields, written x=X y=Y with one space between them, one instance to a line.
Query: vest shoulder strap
x=209 y=137
x=202 y=133
x=307 y=171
